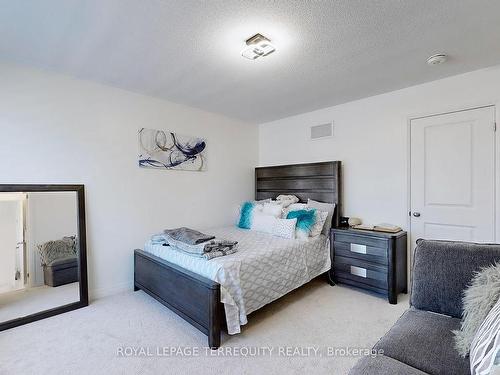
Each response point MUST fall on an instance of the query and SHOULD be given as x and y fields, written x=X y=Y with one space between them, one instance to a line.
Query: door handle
x=416 y=214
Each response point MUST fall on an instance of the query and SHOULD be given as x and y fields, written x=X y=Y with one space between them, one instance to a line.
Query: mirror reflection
x=39 y=251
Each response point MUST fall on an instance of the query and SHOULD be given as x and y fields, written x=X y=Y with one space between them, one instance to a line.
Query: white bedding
x=264 y=268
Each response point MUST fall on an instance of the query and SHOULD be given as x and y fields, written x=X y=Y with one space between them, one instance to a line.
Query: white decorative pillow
x=486 y=344
x=284 y=228
x=236 y=213
x=263 y=223
x=269 y=224
x=320 y=222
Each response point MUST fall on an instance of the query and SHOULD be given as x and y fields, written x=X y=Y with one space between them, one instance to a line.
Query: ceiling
x=186 y=51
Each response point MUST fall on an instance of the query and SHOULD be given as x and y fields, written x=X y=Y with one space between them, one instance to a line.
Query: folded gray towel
x=188 y=236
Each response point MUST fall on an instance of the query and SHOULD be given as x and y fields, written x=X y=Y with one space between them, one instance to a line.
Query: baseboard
x=111 y=290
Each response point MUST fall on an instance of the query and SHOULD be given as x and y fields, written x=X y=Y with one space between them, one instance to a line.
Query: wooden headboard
x=318 y=181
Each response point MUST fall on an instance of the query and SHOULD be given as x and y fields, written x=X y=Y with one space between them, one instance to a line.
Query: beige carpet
x=90 y=340
x=32 y=300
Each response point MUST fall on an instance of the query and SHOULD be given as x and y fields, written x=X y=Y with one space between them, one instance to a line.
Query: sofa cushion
x=424 y=340
x=382 y=365
x=443 y=269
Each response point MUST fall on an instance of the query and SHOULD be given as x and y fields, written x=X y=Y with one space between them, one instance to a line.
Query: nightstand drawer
x=361 y=240
x=374 y=261
x=346 y=278
x=363 y=252
x=361 y=271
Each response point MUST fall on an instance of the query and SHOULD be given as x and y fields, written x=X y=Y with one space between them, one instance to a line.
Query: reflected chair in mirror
x=59 y=260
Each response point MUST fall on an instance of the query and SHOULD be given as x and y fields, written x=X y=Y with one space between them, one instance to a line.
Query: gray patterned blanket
x=208 y=249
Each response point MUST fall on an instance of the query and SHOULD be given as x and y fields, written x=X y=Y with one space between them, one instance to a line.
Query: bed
x=209 y=294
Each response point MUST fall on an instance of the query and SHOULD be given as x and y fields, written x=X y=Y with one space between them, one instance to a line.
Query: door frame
x=20 y=199
x=495 y=105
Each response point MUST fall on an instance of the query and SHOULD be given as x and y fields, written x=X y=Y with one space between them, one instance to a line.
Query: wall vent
x=322 y=131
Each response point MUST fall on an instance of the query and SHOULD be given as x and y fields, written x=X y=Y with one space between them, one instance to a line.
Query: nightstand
x=374 y=261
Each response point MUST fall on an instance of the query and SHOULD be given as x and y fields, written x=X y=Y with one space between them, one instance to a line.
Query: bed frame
x=197 y=299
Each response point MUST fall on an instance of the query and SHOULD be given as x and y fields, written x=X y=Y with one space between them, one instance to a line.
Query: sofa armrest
x=443 y=269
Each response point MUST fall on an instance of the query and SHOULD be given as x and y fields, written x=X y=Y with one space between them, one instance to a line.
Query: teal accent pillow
x=305 y=221
x=246 y=215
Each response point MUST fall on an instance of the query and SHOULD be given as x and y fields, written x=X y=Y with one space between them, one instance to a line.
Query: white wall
x=50 y=216
x=370 y=138
x=56 y=129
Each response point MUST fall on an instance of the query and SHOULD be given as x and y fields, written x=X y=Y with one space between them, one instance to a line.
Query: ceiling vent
x=322 y=131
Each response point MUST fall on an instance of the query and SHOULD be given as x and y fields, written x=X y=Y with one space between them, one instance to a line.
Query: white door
x=453 y=176
x=11 y=277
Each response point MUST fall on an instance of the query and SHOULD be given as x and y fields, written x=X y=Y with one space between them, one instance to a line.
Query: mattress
x=264 y=268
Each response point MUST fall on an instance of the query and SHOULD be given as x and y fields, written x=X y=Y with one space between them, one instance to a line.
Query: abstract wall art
x=161 y=149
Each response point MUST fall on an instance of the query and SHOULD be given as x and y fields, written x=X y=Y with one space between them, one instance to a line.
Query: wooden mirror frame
x=82 y=258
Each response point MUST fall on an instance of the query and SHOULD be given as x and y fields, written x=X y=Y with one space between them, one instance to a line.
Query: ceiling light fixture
x=257 y=46
x=437 y=59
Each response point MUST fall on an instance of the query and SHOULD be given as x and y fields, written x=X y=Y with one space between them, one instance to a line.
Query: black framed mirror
x=43 y=252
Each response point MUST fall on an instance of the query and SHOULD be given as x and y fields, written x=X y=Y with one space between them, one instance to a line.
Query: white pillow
x=320 y=217
x=272 y=209
x=284 y=228
x=263 y=223
x=269 y=224
x=324 y=207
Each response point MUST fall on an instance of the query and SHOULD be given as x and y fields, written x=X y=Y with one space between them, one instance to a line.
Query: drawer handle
x=360 y=249
x=358 y=271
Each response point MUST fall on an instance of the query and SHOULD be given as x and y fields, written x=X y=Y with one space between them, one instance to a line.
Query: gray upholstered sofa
x=421 y=341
